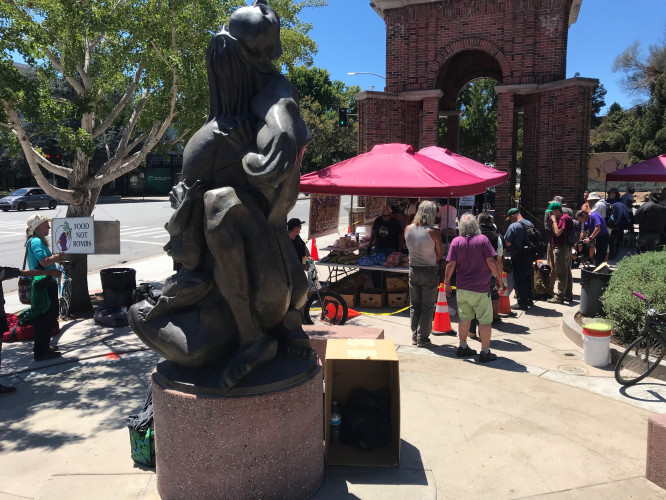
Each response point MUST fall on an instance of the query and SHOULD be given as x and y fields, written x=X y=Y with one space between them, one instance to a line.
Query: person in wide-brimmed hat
x=39 y=257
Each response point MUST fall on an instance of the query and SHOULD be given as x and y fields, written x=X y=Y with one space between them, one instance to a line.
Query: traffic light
x=342 y=115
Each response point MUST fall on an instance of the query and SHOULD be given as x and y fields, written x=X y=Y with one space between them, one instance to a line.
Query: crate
x=350 y=295
x=398 y=299
x=353 y=364
x=397 y=283
x=373 y=298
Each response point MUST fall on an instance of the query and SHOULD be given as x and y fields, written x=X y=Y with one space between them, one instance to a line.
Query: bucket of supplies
x=596 y=344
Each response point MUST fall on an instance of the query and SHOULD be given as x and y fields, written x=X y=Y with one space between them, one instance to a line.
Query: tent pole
x=351 y=215
x=448 y=204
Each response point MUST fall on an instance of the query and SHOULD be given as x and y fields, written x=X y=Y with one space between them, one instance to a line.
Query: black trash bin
x=593 y=286
x=118 y=285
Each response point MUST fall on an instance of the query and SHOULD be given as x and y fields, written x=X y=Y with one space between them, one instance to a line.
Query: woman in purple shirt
x=597 y=232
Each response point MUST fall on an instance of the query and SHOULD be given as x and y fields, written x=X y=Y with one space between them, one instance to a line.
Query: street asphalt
x=538 y=422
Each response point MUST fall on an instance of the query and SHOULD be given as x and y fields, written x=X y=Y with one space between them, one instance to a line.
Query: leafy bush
x=645 y=274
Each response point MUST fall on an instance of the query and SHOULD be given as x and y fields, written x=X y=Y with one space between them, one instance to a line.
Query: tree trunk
x=82 y=207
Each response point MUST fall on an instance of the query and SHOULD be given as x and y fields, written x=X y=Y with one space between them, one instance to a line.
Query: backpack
x=574 y=236
x=532 y=245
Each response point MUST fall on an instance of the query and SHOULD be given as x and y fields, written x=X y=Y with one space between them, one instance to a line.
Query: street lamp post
x=366 y=73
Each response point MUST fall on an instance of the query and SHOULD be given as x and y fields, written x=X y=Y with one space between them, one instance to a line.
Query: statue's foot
x=291 y=335
x=248 y=358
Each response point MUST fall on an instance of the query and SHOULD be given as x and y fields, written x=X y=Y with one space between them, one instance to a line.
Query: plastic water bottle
x=336 y=422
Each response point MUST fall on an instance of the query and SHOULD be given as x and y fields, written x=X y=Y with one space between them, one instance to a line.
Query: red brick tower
x=435 y=47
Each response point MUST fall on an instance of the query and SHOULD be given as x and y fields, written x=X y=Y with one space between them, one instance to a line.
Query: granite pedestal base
x=267 y=445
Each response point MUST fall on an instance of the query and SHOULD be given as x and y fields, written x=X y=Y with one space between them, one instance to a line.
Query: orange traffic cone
x=442 y=323
x=314 y=253
x=505 y=302
x=351 y=313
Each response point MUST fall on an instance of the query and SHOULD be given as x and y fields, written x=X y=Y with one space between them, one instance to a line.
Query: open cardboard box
x=353 y=364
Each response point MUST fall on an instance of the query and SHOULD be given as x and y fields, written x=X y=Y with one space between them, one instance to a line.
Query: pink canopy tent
x=652 y=170
x=467 y=165
x=393 y=170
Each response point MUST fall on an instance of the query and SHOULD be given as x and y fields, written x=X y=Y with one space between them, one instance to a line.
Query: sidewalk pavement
x=537 y=422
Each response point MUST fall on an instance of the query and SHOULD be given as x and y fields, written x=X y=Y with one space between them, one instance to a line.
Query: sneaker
x=413 y=340
x=486 y=357
x=47 y=355
x=555 y=300
x=519 y=307
x=424 y=343
x=473 y=336
x=495 y=321
x=465 y=352
x=5 y=390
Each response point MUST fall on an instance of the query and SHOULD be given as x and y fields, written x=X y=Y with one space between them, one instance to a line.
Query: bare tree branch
x=35 y=159
x=179 y=137
x=127 y=133
x=102 y=127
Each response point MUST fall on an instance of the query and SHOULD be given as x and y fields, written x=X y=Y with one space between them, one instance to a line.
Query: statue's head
x=258 y=29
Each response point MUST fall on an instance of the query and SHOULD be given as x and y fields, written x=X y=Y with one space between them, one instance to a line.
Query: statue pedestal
x=268 y=445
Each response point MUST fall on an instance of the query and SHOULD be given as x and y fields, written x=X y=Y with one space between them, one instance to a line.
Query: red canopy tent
x=393 y=170
x=467 y=165
x=652 y=170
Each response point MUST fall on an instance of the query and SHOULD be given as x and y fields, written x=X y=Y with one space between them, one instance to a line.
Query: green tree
x=598 y=102
x=320 y=100
x=648 y=137
x=614 y=132
x=641 y=73
x=478 y=123
x=136 y=65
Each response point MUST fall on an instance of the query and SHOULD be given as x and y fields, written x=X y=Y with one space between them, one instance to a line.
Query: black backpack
x=532 y=246
x=574 y=236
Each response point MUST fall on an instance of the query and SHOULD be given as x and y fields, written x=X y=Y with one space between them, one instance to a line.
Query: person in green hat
x=562 y=227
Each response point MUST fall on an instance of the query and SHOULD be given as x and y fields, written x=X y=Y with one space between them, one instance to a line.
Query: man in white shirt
x=447 y=219
x=597 y=204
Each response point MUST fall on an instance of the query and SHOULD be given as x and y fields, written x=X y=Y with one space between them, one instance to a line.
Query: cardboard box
x=353 y=281
x=398 y=299
x=373 y=298
x=361 y=364
x=350 y=295
x=397 y=283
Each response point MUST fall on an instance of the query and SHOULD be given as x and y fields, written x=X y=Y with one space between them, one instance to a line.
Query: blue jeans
x=423 y=283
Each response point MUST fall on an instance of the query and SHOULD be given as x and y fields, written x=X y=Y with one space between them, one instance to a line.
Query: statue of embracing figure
x=237 y=295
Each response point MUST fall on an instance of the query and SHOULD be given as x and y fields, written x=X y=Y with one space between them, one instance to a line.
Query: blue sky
x=351 y=37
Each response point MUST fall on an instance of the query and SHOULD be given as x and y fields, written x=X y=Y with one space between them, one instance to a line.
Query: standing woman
x=39 y=257
x=425 y=250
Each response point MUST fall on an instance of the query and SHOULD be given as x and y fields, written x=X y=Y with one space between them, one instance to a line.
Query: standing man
x=597 y=204
x=514 y=239
x=651 y=219
x=628 y=197
x=474 y=260
x=597 y=234
x=562 y=225
x=294 y=229
x=620 y=220
x=386 y=233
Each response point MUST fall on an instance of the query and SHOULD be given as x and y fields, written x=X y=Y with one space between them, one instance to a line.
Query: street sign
x=73 y=235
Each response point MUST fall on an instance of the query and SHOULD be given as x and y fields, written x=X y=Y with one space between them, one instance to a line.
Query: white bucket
x=596 y=344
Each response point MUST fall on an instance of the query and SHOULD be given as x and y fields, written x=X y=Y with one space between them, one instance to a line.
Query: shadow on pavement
x=508 y=345
x=645 y=391
x=104 y=393
x=411 y=472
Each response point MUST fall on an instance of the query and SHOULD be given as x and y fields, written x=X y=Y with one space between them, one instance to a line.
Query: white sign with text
x=73 y=235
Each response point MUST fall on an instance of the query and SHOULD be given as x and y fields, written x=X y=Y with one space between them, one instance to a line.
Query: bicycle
x=65 y=289
x=324 y=306
x=644 y=354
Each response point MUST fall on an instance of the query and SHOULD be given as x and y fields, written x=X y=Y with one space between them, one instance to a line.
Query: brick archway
x=435 y=47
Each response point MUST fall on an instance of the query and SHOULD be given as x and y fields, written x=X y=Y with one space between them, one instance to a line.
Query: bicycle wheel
x=639 y=359
x=65 y=300
x=327 y=308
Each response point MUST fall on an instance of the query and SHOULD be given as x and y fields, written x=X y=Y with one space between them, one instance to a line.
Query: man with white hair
x=472 y=257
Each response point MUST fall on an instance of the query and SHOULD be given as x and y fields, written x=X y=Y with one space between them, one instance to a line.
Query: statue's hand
x=181 y=192
x=196 y=190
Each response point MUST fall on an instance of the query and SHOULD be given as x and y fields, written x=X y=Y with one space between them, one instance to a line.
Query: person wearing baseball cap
x=39 y=257
x=514 y=240
x=562 y=226
x=294 y=229
x=628 y=197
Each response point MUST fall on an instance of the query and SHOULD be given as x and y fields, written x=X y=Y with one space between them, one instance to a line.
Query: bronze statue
x=234 y=303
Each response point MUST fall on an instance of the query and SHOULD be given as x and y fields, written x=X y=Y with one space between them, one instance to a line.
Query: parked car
x=24 y=198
